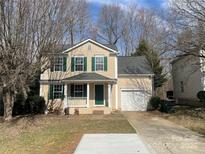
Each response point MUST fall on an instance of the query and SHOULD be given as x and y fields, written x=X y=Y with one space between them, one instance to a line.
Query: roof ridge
x=131 y=56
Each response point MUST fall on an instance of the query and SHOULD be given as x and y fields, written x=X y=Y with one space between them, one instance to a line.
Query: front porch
x=88 y=92
x=85 y=92
x=89 y=97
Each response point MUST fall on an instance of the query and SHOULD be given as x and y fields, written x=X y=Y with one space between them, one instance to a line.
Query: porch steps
x=98 y=112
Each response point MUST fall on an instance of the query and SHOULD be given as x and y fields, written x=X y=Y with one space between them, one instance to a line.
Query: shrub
x=36 y=104
x=201 y=96
x=167 y=106
x=154 y=102
x=1 y=107
x=19 y=105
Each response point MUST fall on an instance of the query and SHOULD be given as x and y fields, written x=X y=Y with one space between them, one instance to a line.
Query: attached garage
x=133 y=100
x=135 y=83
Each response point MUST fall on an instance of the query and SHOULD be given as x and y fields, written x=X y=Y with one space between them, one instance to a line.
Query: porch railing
x=77 y=101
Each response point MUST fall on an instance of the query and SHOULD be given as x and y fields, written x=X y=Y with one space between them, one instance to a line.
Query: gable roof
x=88 y=77
x=133 y=65
x=110 y=47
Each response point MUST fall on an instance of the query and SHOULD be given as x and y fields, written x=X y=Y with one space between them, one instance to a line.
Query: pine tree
x=154 y=61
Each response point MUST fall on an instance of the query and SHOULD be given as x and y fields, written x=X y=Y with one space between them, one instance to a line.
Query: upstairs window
x=58 y=64
x=99 y=62
x=79 y=63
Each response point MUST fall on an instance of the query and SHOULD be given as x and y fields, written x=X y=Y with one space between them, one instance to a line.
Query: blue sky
x=95 y=5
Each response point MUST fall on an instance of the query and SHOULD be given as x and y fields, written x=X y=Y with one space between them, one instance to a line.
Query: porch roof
x=89 y=77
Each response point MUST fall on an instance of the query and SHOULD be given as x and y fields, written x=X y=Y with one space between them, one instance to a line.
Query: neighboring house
x=166 y=87
x=188 y=78
x=90 y=76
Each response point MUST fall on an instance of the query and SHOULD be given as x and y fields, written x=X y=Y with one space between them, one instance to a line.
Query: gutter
x=126 y=75
x=79 y=81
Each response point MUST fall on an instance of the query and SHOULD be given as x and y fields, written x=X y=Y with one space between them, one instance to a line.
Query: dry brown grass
x=56 y=134
x=189 y=117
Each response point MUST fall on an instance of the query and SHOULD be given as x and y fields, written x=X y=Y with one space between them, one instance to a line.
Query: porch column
x=88 y=94
x=109 y=95
x=41 y=90
x=65 y=97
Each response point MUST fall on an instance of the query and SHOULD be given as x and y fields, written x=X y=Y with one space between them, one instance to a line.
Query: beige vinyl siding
x=187 y=70
x=135 y=82
x=83 y=50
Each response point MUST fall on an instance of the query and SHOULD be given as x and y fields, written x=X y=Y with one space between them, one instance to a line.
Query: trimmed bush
x=154 y=102
x=201 y=96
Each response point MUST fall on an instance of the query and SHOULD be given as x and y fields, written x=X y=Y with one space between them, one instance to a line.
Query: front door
x=99 y=95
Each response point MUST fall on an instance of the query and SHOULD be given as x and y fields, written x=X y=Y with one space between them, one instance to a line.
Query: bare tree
x=28 y=29
x=144 y=24
x=189 y=27
x=110 y=23
x=77 y=20
x=130 y=32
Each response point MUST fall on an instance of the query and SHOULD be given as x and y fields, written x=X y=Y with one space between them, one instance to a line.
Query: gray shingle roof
x=89 y=77
x=133 y=65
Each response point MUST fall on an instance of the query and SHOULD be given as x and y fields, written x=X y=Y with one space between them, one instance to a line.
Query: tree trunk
x=8 y=99
x=71 y=37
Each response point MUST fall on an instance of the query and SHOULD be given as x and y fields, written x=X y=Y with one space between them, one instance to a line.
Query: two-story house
x=188 y=74
x=90 y=76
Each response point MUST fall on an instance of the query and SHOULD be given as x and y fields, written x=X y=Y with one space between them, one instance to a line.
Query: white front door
x=133 y=100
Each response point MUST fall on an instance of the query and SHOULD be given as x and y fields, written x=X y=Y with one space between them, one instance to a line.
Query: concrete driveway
x=111 y=144
x=165 y=137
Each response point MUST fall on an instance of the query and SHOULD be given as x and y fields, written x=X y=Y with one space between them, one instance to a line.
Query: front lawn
x=189 y=117
x=56 y=134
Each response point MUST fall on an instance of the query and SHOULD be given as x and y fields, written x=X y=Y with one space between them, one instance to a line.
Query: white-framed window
x=58 y=64
x=79 y=63
x=99 y=63
x=78 y=91
x=57 y=91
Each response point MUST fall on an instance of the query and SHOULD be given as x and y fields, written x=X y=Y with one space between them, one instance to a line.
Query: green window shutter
x=105 y=63
x=72 y=90
x=85 y=90
x=62 y=95
x=52 y=64
x=52 y=68
x=93 y=63
x=85 y=63
x=64 y=64
x=72 y=64
x=51 y=92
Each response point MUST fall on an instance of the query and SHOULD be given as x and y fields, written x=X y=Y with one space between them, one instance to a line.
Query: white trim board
x=116 y=97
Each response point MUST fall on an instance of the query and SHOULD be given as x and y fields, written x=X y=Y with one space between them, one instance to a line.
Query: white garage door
x=133 y=100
